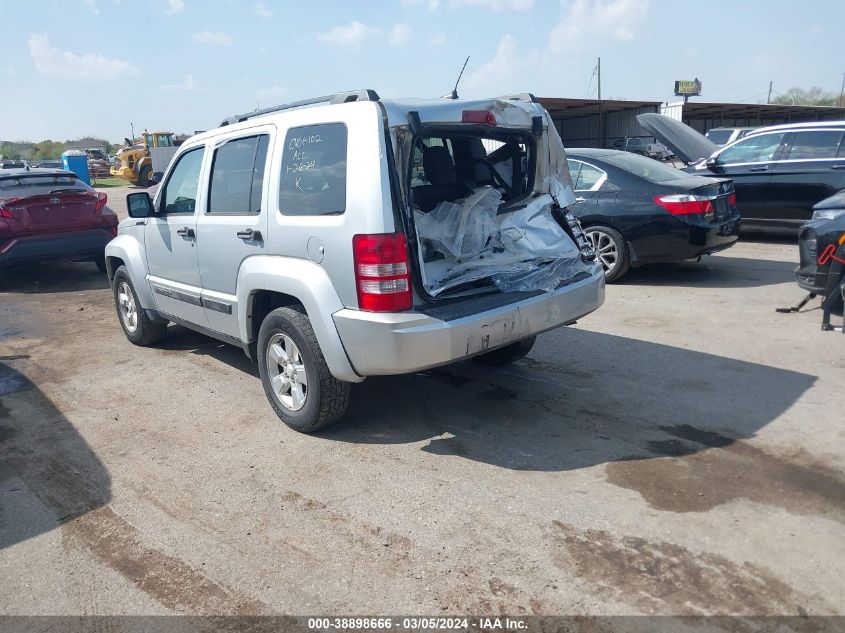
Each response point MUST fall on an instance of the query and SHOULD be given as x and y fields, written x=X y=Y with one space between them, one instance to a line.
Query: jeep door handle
x=756 y=169
x=580 y=199
x=842 y=166
x=249 y=234
x=185 y=231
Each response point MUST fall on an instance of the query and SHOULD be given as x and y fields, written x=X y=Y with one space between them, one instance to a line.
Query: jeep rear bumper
x=399 y=343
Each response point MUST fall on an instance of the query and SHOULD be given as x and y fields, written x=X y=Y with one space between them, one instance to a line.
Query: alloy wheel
x=286 y=370
x=606 y=248
x=128 y=309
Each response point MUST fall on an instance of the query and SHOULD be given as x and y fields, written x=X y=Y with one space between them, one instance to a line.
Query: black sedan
x=636 y=210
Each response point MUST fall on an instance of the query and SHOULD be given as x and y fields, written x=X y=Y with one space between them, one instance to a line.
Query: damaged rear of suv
x=378 y=237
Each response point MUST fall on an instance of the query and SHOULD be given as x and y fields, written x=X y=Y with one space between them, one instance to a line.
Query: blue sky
x=76 y=67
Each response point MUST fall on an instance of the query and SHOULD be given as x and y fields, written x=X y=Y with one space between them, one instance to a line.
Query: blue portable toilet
x=76 y=161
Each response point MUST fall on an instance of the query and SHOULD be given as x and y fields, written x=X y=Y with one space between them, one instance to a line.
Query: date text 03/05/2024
x=417 y=624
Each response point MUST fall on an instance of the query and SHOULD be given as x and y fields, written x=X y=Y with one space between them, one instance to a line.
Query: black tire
x=326 y=397
x=623 y=257
x=507 y=354
x=147 y=332
x=101 y=263
x=144 y=176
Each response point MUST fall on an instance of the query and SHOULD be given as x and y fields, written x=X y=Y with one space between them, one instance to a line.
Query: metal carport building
x=597 y=122
x=704 y=116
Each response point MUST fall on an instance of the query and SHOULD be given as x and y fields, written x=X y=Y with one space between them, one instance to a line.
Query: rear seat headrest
x=438 y=166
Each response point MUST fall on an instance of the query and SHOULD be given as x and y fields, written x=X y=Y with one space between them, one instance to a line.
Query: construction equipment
x=139 y=159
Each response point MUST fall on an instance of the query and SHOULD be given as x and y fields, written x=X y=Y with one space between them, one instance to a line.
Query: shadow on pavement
x=787 y=237
x=48 y=473
x=183 y=339
x=611 y=398
x=52 y=277
x=714 y=272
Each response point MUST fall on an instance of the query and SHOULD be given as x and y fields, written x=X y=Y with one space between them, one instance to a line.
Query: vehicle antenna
x=454 y=93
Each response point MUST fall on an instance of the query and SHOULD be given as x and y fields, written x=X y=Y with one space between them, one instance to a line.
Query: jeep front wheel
x=296 y=378
x=137 y=326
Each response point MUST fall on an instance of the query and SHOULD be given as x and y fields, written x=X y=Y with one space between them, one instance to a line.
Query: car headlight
x=828 y=214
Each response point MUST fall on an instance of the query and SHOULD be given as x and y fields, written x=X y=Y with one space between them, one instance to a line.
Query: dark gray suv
x=779 y=172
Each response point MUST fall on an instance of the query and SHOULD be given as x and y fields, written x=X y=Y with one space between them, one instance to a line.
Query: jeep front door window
x=180 y=191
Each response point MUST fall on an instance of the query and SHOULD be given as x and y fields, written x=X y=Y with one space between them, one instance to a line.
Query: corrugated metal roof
x=571 y=108
x=761 y=111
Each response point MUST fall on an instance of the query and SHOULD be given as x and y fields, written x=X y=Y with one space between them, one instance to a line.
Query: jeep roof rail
x=522 y=96
x=340 y=97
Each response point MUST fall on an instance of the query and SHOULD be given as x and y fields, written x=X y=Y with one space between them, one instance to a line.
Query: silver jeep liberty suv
x=349 y=236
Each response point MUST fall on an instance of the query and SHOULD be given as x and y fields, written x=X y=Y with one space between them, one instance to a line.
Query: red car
x=49 y=214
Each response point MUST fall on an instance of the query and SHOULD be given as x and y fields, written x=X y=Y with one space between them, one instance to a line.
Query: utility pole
x=769 y=98
x=842 y=92
x=598 y=72
x=132 y=126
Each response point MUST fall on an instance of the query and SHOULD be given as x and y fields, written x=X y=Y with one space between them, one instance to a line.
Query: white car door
x=170 y=241
x=232 y=224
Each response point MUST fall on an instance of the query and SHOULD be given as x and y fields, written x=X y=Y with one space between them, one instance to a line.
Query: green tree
x=814 y=96
x=46 y=150
x=9 y=150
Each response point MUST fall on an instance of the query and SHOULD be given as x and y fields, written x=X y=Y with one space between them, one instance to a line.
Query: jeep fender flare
x=309 y=284
x=128 y=249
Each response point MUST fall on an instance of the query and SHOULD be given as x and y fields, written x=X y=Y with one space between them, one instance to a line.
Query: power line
x=589 y=85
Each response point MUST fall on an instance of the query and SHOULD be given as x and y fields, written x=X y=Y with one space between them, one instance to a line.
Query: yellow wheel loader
x=138 y=160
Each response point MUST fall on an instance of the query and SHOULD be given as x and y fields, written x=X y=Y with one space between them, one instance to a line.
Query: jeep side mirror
x=156 y=177
x=139 y=205
x=711 y=163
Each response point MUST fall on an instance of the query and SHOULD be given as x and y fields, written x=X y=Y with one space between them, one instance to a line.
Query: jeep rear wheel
x=296 y=378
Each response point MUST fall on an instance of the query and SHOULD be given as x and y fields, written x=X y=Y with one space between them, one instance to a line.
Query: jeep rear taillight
x=382 y=272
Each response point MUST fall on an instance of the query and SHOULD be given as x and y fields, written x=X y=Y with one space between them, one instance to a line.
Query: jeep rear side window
x=313 y=178
x=237 y=176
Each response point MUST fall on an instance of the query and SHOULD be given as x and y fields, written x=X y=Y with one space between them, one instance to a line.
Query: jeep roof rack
x=340 y=97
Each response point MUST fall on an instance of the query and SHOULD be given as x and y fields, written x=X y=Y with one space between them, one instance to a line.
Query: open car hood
x=836 y=201
x=688 y=145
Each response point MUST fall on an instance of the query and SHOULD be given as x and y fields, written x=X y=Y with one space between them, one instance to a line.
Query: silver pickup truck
x=350 y=236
